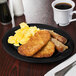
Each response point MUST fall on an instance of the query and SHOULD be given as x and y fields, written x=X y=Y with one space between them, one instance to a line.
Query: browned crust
x=58 y=37
x=35 y=43
x=59 y=46
x=46 y=51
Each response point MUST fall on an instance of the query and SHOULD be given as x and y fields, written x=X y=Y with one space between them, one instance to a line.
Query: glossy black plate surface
x=56 y=57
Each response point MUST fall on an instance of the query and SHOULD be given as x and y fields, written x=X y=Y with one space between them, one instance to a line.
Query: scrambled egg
x=23 y=34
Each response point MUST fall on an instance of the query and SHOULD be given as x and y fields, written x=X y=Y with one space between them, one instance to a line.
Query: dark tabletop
x=10 y=66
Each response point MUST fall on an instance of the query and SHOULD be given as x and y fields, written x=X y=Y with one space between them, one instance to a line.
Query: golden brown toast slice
x=35 y=43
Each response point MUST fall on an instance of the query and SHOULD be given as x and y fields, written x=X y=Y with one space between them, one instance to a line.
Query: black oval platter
x=56 y=57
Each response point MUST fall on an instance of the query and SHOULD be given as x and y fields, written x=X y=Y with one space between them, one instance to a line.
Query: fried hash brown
x=46 y=51
x=35 y=43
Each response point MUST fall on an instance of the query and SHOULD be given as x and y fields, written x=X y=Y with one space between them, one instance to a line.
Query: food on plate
x=59 y=46
x=58 y=37
x=23 y=34
x=35 y=43
x=46 y=51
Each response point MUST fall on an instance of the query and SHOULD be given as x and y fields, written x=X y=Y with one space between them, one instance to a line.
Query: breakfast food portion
x=58 y=37
x=59 y=46
x=23 y=34
x=46 y=51
x=34 y=42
